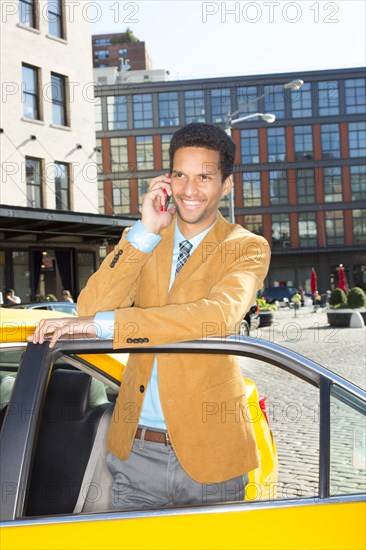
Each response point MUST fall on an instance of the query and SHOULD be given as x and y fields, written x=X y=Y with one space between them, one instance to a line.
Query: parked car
x=280 y=294
x=65 y=307
x=46 y=447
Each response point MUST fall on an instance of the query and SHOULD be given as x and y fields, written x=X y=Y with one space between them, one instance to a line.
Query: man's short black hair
x=199 y=134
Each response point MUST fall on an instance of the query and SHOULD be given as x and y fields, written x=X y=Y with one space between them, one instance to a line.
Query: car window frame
x=36 y=366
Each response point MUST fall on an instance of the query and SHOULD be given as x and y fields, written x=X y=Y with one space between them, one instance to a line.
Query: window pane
x=246 y=96
x=308 y=231
x=303 y=139
x=58 y=100
x=334 y=227
x=249 y=145
x=332 y=184
x=280 y=231
x=220 y=104
x=98 y=114
x=305 y=186
x=33 y=171
x=119 y=155
x=117 y=112
x=142 y=111
x=121 y=196
x=251 y=188
x=274 y=102
x=347 y=443
x=355 y=95
x=144 y=153
x=54 y=17
x=359 y=226
x=21 y=275
x=331 y=147
x=357 y=139
x=194 y=106
x=301 y=101
x=276 y=143
x=30 y=94
x=278 y=188
x=27 y=13
x=328 y=98
x=62 y=186
x=168 y=109
x=358 y=182
x=254 y=224
x=165 y=142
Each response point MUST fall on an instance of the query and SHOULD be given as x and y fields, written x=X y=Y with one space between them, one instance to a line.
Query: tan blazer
x=202 y=396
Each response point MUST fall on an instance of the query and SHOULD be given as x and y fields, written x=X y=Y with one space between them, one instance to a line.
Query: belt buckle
x=167 y=440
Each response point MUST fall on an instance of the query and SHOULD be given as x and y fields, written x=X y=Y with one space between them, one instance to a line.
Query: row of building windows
x=37 y=178
x=283 y=103
x=29 y=16
x=56 y=93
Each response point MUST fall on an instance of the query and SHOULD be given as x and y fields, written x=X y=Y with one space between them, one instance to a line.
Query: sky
x=194 y=39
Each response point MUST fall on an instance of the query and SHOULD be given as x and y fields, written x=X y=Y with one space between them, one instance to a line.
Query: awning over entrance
x=16 y=223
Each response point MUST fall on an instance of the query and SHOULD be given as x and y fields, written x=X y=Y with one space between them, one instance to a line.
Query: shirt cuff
x=141 y=239
x=104 y=324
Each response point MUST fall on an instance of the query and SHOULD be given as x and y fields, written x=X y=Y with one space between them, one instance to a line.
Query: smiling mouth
x=192 y=204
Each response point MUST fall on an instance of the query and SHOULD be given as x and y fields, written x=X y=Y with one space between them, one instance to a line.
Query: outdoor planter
x=342 y=317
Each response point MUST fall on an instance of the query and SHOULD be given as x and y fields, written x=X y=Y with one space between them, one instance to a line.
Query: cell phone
x=164 y=208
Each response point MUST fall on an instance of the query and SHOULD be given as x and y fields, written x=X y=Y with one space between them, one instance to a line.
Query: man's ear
x=227 y=186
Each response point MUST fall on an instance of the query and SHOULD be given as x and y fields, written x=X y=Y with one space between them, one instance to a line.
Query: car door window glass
x=347 y=443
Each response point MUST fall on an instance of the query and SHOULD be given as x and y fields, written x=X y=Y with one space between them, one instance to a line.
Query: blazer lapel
x=164 y=254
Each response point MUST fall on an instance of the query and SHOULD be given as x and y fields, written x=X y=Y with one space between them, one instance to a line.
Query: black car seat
x=74 y=405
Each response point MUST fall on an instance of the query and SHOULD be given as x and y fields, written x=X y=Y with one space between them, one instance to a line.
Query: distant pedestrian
x=66 y=296
x=11 y=298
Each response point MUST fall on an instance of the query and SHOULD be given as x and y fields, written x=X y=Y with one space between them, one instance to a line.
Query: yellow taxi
x=55 y=407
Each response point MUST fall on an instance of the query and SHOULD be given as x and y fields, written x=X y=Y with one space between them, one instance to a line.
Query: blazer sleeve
x=114 y=284
x=216 y=316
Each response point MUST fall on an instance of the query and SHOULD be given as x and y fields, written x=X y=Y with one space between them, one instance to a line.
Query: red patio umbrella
x=341 y=279
x=313 y=281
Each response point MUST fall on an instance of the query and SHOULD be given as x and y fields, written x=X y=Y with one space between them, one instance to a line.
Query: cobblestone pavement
x=293 y=404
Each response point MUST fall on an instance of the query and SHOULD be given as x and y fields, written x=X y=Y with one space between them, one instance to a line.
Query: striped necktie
x=184 y=250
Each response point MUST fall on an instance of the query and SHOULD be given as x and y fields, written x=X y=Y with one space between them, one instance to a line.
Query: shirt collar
x=195 y=241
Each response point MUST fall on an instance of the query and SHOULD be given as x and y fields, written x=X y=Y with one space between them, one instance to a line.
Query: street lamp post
x=267 y=117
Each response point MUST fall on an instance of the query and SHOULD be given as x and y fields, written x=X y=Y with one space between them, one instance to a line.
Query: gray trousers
x=152 y=477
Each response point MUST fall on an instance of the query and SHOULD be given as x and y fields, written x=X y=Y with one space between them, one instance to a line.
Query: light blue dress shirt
x=151 y=413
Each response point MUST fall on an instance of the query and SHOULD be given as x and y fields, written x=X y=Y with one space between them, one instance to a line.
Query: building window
x=359 y=226
x=142 y=111
x=276 y=143
x=102 y=42
x=274 y=102
x=101 y=54
x=144 y=153
x=334 y=227
x=99 y=155
x=303 y=138
x=98 y=114
x=20 y=261
x=142 y=187
x=254 y=224
x=62 y=186
x=119 y=155
x=301 y=103
x=33 y=174
x=194 y=106
x=251 y=188
x=168 y=109
x=332 y=184
x=55 y=19
x=117 y=112
x=27 y=13
x=358 y=183
x=224 y=202
x=331 y=147
x=308 y=232
x=278 y=188
x=328 y=98
x=101 y=201
x=30 y=92
x=249 y=146
x=121 y=196
x=165 y=142
x=305 y=186
x=220 y=104
x=280 y=231
x=355 y=95
x=357 y=139
x=246 y=96
x=122 y=52
x=59 y=111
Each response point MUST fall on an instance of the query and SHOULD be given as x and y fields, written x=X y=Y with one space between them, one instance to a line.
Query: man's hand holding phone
x=154 y=212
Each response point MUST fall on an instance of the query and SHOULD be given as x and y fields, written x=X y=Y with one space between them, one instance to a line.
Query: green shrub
x=263 y=306
x=356 y=298
x=337 y=298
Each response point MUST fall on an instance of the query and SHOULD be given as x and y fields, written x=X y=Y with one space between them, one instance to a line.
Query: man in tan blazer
x=181 y=432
